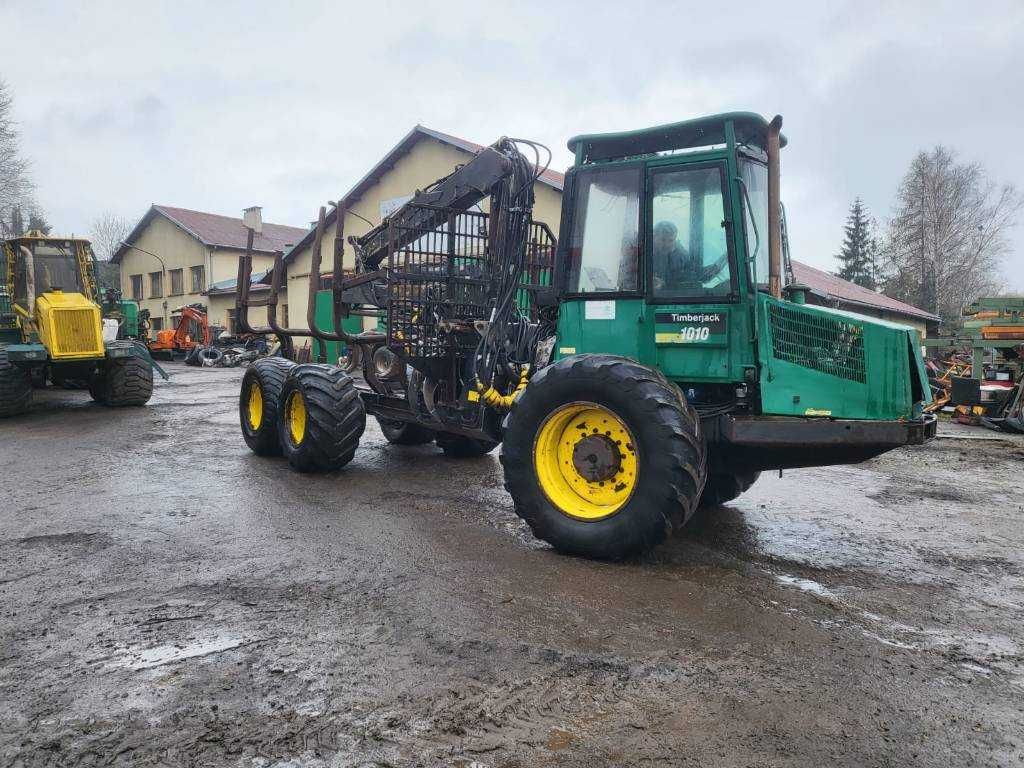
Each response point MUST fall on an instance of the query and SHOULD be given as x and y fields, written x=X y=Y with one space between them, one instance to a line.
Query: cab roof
x=35 y=235
x=749 y=127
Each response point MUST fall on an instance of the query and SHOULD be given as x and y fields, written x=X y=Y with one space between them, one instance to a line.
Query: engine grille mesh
x=74 y=331
x=822 y=343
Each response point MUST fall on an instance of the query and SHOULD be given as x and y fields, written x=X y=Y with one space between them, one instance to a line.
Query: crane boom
x=427 y=209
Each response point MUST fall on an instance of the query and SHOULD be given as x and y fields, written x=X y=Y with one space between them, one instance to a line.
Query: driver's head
x=664 y=236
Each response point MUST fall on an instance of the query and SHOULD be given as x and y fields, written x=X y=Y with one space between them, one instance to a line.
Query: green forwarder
x=656 y=360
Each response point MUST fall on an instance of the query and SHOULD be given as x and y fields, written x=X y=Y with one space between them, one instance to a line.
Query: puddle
x=807 y=585
x=147 y=658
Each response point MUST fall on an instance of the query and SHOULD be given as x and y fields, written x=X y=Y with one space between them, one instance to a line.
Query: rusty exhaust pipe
x=774 y=208
x=30 y=280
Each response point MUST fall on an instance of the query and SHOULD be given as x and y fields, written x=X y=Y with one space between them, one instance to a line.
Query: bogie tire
x=405 y=432
x=333 y=418
x=261 y=430
x=125 y=381
x=461 y=447
x=724 y=487
x=15 y=388
x=671 y=455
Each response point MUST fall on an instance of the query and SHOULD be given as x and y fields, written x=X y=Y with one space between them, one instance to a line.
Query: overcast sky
x=216 y=105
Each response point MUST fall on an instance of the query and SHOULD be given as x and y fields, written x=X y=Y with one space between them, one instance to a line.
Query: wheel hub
x=255 y=406
x=596 y=458
x=585 y=460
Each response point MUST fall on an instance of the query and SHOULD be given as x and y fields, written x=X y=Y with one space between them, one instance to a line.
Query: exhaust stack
x=774 y=208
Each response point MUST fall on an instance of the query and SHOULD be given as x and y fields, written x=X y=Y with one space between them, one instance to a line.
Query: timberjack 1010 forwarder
x=656 y=359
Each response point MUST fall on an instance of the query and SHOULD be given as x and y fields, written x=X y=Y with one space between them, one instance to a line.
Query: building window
x=198 y=279
x=177 y=282
x=231 y=322
x=137 y=287
x=156 y=324
x=156 y=285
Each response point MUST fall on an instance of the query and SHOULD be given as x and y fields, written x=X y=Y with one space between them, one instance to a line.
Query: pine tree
x=858 y=255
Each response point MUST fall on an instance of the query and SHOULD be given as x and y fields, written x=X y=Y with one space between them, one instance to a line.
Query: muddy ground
x=168 y=598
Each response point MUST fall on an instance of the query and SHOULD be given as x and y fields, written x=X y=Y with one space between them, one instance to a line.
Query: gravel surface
x=171 y=599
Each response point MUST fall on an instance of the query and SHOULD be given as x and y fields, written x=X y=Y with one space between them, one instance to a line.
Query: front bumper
x=784 y=442
x=26 y=353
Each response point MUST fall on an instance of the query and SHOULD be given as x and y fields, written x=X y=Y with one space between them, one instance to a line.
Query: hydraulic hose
x=495 y=399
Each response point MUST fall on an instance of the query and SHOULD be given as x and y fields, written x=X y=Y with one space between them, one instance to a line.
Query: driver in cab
x=674 y=267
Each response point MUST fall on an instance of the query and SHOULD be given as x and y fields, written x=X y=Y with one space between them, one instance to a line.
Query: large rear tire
x=405 y=432
x=122 y=382
x=258 y=404
x=724 y=487
x=603 y=457
x=321 y=418
x=15 y=388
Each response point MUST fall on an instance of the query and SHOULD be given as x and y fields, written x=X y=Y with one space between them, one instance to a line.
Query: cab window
x=604 y=242
x=55 y=269
x=755 y=218
x=689 y=248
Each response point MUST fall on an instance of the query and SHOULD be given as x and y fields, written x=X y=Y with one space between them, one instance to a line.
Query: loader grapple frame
x=454 y=290
x=440 y=282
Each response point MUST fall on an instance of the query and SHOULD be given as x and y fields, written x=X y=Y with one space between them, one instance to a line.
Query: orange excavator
x=192 y=329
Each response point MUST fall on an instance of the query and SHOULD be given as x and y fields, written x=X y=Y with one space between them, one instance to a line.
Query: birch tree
x=948 y=235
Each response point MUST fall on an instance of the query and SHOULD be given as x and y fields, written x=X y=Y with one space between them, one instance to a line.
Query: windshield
x=55 y=268
x=689 y=248
x=603 y=245
x=755 y=179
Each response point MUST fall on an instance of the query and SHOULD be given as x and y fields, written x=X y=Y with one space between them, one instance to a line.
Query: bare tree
x=108 y=230
x=949 y=233
x=15 y=187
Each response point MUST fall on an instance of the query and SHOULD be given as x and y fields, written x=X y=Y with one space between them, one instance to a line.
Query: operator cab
x=56 y=265
x=665 y=234
x=651 y=210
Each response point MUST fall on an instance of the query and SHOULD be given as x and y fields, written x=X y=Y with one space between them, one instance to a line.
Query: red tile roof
x=218 y=231
x=829 y=286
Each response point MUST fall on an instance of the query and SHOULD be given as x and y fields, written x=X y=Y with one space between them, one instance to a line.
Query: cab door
x=698 y=323
x=601 y=271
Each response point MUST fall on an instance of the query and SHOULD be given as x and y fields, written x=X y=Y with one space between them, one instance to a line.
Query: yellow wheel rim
x=254 y=412
x=296 y=417
x=586 y=461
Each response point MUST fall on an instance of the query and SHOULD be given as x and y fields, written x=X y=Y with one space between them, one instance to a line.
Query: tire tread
x=676 y=473
x=15 y=388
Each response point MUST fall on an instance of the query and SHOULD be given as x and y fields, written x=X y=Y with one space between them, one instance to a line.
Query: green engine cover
x=808 y=361
x=826 y=362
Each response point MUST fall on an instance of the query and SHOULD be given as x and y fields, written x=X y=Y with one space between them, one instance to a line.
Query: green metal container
x=330 y=351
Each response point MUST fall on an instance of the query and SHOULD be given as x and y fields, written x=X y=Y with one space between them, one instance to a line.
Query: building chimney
x=252 y=218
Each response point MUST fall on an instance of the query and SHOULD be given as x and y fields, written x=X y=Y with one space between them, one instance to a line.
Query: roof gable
x=831 y=287
x=549 y=178
x=216 y=231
